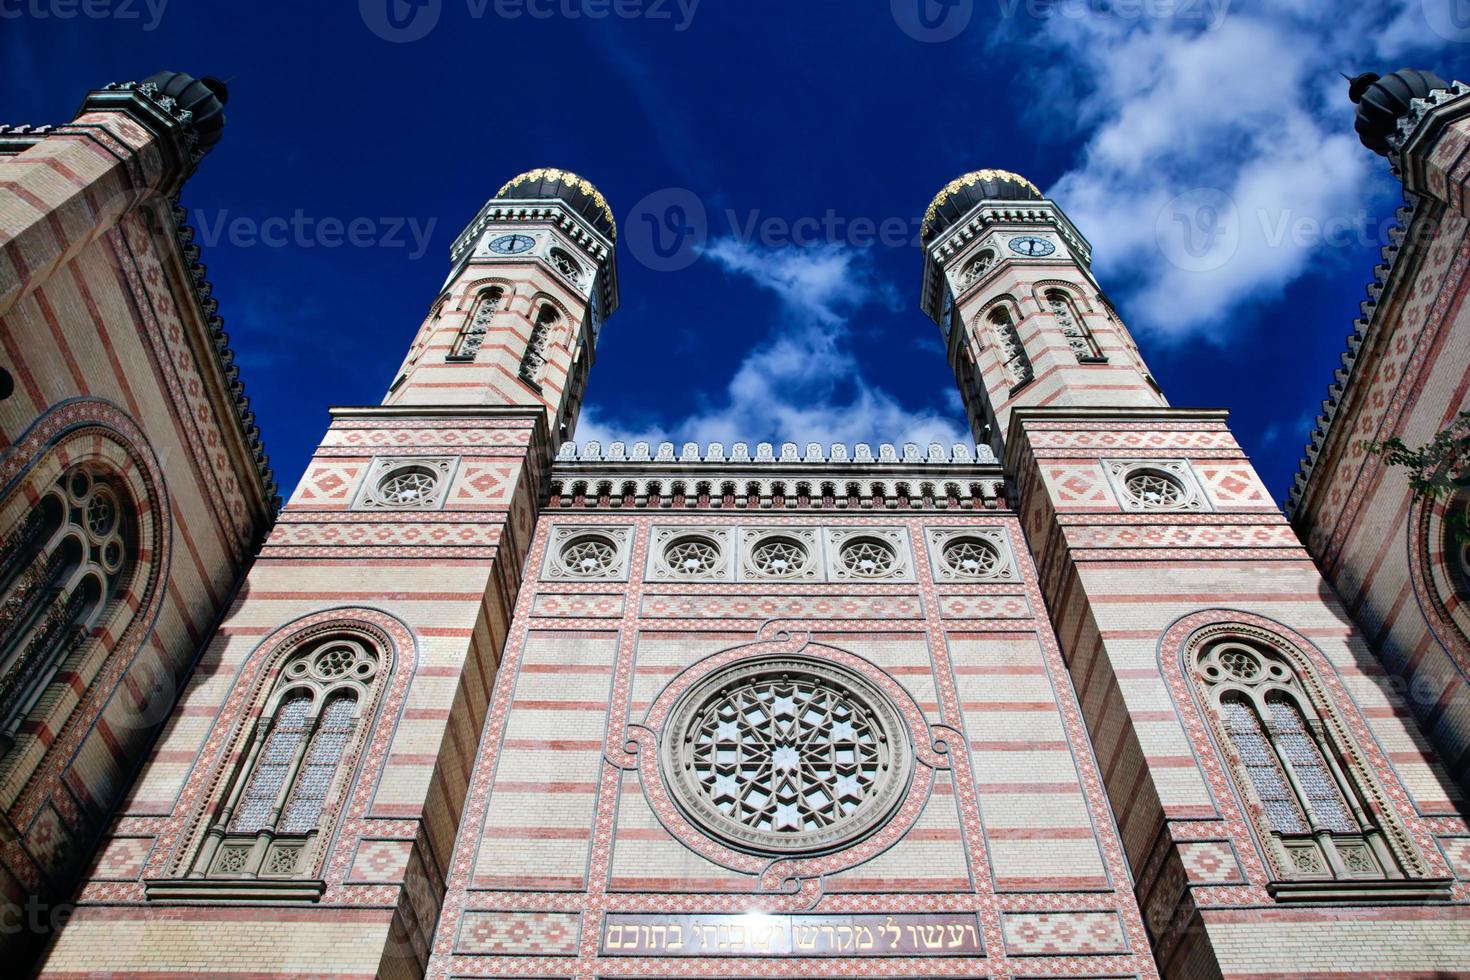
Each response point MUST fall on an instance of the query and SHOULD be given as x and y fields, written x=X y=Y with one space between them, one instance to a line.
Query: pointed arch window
x=1303 y=794
x=1079 y=337
x=67 y=559
x=272 y=816
x=1008 y=342
x=533 y=362
x=472 y=336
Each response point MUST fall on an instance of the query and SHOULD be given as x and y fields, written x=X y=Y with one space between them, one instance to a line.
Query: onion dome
x=546 y=182
x=1382 y=102
x=204 y=98
x=963 y=193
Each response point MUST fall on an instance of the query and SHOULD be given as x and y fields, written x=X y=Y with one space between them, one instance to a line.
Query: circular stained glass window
x=1153 y=489
x=786 y=755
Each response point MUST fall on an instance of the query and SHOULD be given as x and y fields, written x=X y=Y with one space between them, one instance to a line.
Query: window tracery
x=1079 y=337
x=976 y=268
x=272 y=816
x=472 y=337
x=534 y=360
x=59 y=568
x=1012 y=352
x=1306 y=803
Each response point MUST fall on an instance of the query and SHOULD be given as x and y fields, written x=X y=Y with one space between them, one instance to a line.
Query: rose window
x=1239 y=662
x=589 y=556
x=971 y=556
x=101 y=512
x=868 y=558
x=692 y=556
x=778 y=557
x=1154 y=489
x=786 y=755
x=407 y=488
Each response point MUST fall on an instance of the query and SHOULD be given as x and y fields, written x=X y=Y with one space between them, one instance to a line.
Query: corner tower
x=1009 y=281
x=335 y=713
x=533 y=276
x=1234 y=711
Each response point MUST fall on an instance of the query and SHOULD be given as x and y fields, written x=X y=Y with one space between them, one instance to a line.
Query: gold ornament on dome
x=569 y=179
x=970 y=180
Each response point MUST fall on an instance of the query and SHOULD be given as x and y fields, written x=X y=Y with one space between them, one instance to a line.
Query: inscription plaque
x=776 y=934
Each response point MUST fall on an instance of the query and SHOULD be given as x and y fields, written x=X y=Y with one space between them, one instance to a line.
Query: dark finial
x=220 y=87
x=1359 y=84
x=1383 y=101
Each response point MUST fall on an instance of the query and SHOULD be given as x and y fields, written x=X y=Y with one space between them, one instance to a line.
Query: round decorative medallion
x=971 y=556
x=786 y=755
x=868 y=558
x=692 y=555
x=410 y=486
x=589 y=555
x=778 y=557
x=1154 y=489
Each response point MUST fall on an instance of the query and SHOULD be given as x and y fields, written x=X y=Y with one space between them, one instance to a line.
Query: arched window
x=467 y=345
x=1304 y=796
x=59 y=568
x=1012 y=351
x=1083 y=344
x=976 y=268
x=534 y=359
x=273 y=813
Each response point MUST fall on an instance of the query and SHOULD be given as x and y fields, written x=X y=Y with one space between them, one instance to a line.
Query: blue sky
x=793 y=131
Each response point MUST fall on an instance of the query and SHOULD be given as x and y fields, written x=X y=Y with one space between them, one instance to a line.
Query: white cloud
x=802 y=384
x=1218 y=156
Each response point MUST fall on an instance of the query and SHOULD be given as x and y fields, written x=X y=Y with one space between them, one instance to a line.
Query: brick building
x=1073 y=701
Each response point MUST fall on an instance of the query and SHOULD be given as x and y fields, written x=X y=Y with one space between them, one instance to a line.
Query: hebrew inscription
x=758 y=934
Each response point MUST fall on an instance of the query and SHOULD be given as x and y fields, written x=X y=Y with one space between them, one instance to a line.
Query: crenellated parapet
x=838 y=478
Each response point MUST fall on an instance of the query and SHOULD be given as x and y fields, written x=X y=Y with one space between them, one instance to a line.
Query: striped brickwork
x=1383 y=551
x=113 y=357
x=569 y=819
x=1126 y=588
x=436 y=585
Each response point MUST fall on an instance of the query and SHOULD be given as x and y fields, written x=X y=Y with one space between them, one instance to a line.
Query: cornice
x=958 y=478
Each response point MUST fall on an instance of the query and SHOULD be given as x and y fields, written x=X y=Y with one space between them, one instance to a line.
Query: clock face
x=1031 y=245
x=512 y=244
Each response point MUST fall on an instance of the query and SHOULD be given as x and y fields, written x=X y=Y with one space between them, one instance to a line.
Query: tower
x=1008 y=279
x=335 y=713
x=1235 y=717
x=533 y=277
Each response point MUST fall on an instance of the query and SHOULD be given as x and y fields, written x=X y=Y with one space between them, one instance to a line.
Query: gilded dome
x=547 y=182
x=963 y=193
